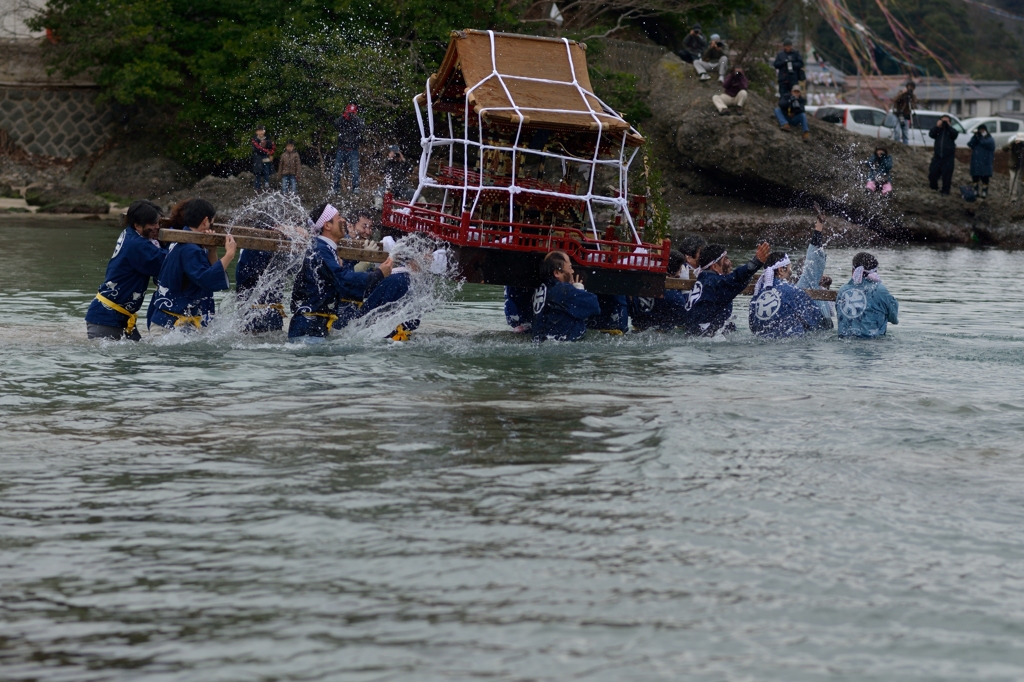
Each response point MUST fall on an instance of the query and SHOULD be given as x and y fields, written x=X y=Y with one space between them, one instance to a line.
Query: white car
x=1002 y=130
x=856 y=118
x=923 y=121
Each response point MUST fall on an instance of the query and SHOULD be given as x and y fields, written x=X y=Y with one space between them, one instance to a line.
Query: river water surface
x=471 y=506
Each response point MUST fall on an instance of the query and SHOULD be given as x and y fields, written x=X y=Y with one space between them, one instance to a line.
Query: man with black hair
x=137 y=257
x=864 y=306
x=710 y=302
x=779 y=309
x=943 y=155
x=191 y=274
x=560 y=305
x=359 y=228
x=694 y=45
x=792 y=112
x=790 y=66
x=690 y=247
x=263 y=149
x=668 y=311
x=903 y=107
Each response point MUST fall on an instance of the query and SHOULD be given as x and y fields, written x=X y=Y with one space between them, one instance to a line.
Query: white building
x=966 y=97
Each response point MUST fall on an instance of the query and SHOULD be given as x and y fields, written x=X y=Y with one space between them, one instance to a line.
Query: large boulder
x=62 y=199
x=749 y=157
x=133 y=171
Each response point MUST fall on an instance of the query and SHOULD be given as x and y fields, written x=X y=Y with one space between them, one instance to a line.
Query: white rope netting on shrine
x=430 y=140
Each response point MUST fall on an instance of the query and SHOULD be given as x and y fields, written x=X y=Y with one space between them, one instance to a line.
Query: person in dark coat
x=944 y=155
x=983 y=156
x=735 y=87
x=903 y=107
x=263 y=149
x=790 y=66
x=350 y=129
x=791 y=112
x=879 y=171
x=710 y=304
x=694 y=45
x=560 y=305
x=1016 y=162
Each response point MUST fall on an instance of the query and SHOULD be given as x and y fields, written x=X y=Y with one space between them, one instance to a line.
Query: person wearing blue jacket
x=190 y=273
x=864 y=306
x=560 y=305
x=386 y=292
x=137 y=257
x=778 y=309
x=327 y=295
x=710 y=302
x=812 y=276
x=983 y=156
x=614 y=316
x=668 y=311
x=519 y=308
x=264 y=299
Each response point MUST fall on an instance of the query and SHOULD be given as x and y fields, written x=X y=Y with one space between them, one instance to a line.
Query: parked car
x=1001 y=129
x=855 y=118
x=924 y=120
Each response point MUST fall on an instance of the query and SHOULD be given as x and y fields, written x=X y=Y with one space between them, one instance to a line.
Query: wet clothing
x=790 y=67
x=518 y=306
x=134 y=261
x=185 y=287
x=614 y=315
x=561 y=311
x=266 y=312
x=983 y=155
x=864 y=309
x=101 y=331
x=386 y=291
x=782 y=310
x=710 y=302
x=665 y=313
x=325 y=295
x=810 y=278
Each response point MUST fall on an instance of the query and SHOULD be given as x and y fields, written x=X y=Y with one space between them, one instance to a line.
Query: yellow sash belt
x=182 y=320
x=132 y=317
x=331 y=318
x=358 y=304
x=279 y=307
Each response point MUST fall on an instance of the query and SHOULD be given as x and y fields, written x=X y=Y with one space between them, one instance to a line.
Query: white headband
x=859 y=273
x=767 y=278
x=696 y=273
x=325 y=217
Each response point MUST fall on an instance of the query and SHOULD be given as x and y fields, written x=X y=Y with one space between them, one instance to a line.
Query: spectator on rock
x=350 y=129
x=262 y=157
x=694 y=45
x=944 y=154
x=790 y=112
x=903 y=107
x=790 y=66
x=983 y=155
x=879 y=171
x=1016 y=149
x=735 y=87
x=290 y=169
x=714 y=58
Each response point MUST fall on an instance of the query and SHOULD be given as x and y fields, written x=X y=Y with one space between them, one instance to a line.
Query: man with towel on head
x=864 y=305
x=327 y=295
x=710 y=302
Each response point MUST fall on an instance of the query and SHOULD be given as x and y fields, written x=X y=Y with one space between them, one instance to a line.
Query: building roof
x=542 y=82
x=966 y=89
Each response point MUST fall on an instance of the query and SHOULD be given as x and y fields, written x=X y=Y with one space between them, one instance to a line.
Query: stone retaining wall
x=58 y=122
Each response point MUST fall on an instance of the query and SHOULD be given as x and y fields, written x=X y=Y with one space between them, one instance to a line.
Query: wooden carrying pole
x=687 y=284
x=346 y=252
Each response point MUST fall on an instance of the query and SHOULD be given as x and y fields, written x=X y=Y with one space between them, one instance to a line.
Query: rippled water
x=471 y=506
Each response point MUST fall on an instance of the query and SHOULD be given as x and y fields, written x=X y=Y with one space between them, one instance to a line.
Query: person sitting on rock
x=780 y=310
x=983 y=155
x=863 y=305
x=191 y=273
x=690 y=247
x=790 y=112
x=715 y=57
x=879 y=171
x=1016 y=163
x=710 y=302
x=735 y=94
x=790 y=67
x=325 y=292
x=137 y=257
x=560 y=305
x=694 y=45
x=665 y=312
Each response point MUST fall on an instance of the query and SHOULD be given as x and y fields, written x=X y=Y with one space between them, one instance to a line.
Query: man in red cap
x=350 y=136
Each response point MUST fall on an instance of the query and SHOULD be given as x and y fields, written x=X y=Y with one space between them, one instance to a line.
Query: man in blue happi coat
x=864 y=306
x=259 y=292
x=137 y=257
x=519 y=308
x=191 y=273
x=384 y=294
x=560 y=305
x=813 y=274
x=327 y=295
x=614 y=316
x=710 y=302
x=668 y=311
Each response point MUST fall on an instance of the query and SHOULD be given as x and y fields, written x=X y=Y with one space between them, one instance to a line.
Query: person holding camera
x=903 y=107
x=983 y=156
x=714 y=57
x=694 y=45
x=790 y=112
x=735 y=94
x=790 y=66
x=943 y=155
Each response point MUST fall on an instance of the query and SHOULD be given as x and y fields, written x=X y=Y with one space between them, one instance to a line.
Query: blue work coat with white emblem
x=388 y=291
x=266 y=309
x=614 y=315
x=782 y=310
x=667 y=312
x=135 y=260
x=560 y=311
x=518 y=306
x=810 y=278
x=865 y=309
x=185 y=286
x=324 y=288
x=710 y=302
